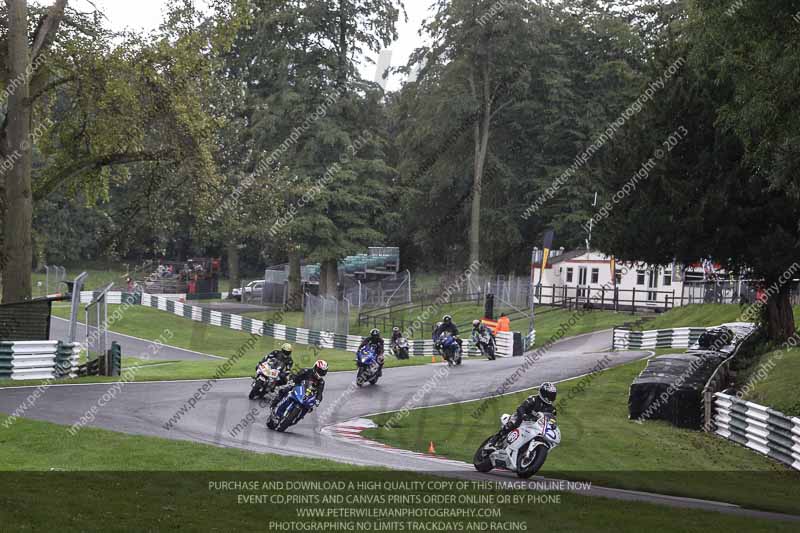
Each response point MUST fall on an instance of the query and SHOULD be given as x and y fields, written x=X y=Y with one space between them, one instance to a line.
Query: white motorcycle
x=524 y=450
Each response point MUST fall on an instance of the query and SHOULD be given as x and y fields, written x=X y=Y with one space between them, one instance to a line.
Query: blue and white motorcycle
x=524 y=450
x=298 y=402
x=369 y=366
x=450 y=347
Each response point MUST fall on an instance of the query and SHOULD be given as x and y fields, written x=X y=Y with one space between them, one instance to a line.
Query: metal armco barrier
x=38 y=360
x=625 y=339
x=759 y=428
x=323 y=339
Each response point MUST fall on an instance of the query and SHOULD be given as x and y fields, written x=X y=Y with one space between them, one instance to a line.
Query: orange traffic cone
x=433 y=359
x=431 y=449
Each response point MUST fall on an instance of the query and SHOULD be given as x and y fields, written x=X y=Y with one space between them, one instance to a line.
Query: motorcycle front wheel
x=289 y=418
x=529 y=465
x=256 y=392
x=481 y=460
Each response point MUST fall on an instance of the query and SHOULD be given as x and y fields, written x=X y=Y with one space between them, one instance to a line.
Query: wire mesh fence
x=326 y=314
x=53 y=276
x=97 y=325
x=388 y=291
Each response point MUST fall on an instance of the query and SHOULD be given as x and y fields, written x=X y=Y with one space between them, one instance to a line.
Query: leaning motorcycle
x=401 y=348
x=293 y=407
x=450 y=348
x=485 y=343
x=265 y=381
x=524 y=450
x=368 y=366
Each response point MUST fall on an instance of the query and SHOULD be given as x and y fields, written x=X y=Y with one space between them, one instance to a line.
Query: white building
x=585 y=276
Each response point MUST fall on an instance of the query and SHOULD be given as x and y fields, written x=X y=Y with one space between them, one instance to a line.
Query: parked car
x=251 y=290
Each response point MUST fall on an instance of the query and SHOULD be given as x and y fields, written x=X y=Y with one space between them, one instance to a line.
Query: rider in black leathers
x=544 y=402
x=446 y=325
x=281 y=360
x=376 y=341
x=315 y=376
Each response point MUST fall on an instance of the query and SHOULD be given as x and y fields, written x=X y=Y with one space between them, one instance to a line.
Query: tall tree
x=16 y=134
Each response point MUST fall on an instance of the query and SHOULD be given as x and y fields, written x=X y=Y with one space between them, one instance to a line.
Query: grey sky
x=147 y=14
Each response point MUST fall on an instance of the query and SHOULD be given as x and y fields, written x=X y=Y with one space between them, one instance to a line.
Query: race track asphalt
x=145 y=408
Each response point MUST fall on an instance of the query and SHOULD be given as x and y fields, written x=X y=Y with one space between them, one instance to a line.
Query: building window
x=640 y=277
x=569 y=274
x=667 y=278
x=595 y=275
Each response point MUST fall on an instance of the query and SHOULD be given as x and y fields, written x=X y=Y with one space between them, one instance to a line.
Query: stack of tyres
x=671 y=388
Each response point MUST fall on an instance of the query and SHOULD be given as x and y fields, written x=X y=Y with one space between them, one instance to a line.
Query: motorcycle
x=524 y=450
x=486 y=345
x=400 y=348
x=450 y=348
x=297 y=403
x=265 y=381
x=368 y=366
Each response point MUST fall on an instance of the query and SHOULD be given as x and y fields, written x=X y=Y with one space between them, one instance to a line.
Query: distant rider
x=280 y=360
x=544 y=402
x=315 y=376
x=376 y=341
x=480 y=329
x=445 y=326
x=396 y=335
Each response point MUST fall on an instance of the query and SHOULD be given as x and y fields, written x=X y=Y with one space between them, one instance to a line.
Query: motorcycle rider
x=396 y=335
x=445 y=326
x=315 y=376
x=280 y=360
x=480 y=329
x=376 y=341
x=544 y=402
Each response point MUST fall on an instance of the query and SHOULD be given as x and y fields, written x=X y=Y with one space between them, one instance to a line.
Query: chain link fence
x=53 y=276
x=392 y=290
x=326 y=314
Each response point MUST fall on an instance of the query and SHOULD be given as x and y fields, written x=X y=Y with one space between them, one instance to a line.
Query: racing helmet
x=375 y=333
x=320 y=368
x=395 y=330
x=447 y=319
x=286 y=349
x=547 y=393
x=476 y=323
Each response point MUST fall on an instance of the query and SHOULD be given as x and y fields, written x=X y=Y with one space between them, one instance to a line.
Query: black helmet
x=547 y=393
x=375 y=333
x=447 y=319
x=395 y=330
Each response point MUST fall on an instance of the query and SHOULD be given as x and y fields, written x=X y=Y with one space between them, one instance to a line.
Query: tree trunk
x=19 y=212
x=294 y=300
x=481 y=148
x=233 y=265
x=328 y=278
x=779 y=319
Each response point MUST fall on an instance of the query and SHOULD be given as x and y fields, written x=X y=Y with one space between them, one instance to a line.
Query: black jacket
x=534 y=404
x=376 y=343
x=481 y=330
x=308 y=374
x=395 y=336
x=444 y=327
x=277 y=360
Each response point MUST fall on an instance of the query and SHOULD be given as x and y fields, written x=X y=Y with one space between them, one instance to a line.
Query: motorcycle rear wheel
x=481 y=460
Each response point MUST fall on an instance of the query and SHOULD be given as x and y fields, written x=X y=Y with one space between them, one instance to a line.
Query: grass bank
x=106 y=481
x=600 y=444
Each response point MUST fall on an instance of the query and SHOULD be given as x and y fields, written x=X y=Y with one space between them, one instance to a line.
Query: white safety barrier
x=759 y=428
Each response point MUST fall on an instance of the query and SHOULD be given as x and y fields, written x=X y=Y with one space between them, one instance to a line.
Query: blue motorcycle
x=369 y=366
x=450 y=348
x=300 y=400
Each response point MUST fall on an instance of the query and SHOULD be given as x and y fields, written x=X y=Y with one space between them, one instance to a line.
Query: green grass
x=602 y=445
x=105 y=481
x=702 y=315
x=774 y=380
